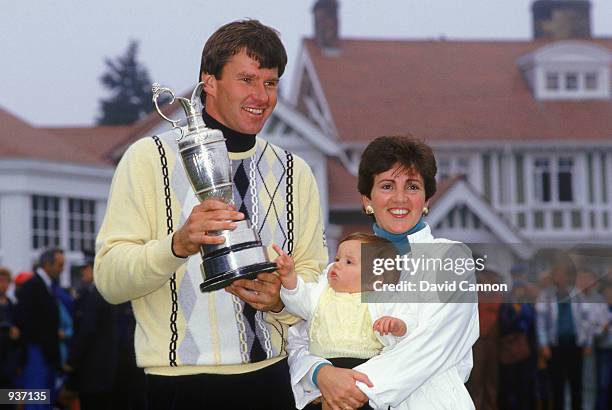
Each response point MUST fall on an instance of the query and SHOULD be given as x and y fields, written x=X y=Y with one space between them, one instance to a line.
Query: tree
x=130 y=87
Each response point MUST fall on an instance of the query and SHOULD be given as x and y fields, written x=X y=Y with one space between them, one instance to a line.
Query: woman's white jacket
x=426 y=370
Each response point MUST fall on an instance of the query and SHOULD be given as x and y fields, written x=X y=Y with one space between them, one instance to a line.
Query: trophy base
x=246 y=272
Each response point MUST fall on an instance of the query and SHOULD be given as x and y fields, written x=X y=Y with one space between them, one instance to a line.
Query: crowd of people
x=548 y=344
x=70 y=341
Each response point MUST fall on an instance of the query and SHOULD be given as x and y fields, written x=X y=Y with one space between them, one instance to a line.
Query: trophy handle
x=157 y=92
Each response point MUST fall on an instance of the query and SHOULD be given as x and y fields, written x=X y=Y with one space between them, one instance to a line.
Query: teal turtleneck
x=400 y=240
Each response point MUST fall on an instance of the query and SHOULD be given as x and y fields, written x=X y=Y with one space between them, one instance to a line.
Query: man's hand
x=209 y=216
x=339 y=389
x=262 y=293
x=389 y=324
x=285 y=268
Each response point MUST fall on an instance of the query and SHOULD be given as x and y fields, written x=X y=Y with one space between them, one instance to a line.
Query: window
x=550 y=173
x=564 y=179
x=552 y=81
x=590 y=81
x=453 y=166
x=66 y=222
x=463 y=167
x=444 y=168
x=82 y=224
x=571 y=81
x=45 y=221
x=542 y=180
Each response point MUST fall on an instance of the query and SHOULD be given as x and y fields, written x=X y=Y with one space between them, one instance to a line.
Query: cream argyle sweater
x=179 y=329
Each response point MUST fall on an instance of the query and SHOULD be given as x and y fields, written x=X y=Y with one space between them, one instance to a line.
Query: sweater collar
x=234 y=140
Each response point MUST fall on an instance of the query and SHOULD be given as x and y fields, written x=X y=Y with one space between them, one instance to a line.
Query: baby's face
x=345 y=273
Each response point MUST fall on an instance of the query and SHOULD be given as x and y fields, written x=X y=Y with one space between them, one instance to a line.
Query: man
x=93 y=356
x=226 y=348
x=563 y=333
x=9 y=334
x=37 y=317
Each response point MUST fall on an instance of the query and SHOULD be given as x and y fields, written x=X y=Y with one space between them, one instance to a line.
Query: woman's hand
x=339 y=389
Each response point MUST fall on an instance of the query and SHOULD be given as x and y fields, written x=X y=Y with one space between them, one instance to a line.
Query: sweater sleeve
x=309 y=250
x=131 y=260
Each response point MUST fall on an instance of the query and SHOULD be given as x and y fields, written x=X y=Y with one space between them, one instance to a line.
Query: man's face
x=87 y=274
x=55 y=269
x=244 y=96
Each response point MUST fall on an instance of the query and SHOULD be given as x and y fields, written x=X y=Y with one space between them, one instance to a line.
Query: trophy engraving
x=207 y=166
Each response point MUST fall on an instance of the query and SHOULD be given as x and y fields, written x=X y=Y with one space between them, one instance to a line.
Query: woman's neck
x=400 y=240
x=234 y=140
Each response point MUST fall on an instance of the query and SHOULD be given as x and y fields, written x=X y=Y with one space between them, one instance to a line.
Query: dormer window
x=552 y=81
x=571 y=81
x=568 y=70
x=590 y=81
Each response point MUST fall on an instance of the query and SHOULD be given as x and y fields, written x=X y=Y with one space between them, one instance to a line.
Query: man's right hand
x=209 y=216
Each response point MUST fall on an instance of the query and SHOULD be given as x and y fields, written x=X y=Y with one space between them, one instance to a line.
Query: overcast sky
x=53 y=51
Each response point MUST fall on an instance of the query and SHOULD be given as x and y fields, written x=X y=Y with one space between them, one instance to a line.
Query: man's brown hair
x=260 y=42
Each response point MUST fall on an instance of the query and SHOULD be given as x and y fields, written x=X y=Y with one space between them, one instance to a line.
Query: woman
x=428 y=369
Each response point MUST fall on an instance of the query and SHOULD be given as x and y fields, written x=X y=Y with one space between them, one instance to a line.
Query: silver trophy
x=208 y=168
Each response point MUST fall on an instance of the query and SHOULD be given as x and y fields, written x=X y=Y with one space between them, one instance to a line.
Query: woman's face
x=398 y=198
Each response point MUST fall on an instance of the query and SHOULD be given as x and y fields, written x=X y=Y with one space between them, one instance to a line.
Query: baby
x=341 y=328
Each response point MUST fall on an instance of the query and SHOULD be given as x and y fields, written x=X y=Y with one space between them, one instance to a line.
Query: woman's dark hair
x=384 y=152
x=260 y=42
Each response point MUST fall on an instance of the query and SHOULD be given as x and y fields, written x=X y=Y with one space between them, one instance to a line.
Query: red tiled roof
x=18 y=139
x=98 y=141
x=341 y=186
x=442 y=188
x=142 y=127
x=455 y=90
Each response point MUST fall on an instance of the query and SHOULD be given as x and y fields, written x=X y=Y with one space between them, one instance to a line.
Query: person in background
x=589 y=296
x=602 y=315
x=37 y=317
x=517 y=350
x=21 y=278
x=9 y=334
x=563 y=333
x=484 y=381
x=93 y=356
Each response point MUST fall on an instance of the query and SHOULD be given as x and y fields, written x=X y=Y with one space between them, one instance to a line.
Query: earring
x=369 y=210
x=425 y=211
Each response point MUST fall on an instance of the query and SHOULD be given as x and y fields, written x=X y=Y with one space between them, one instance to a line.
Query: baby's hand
x=285 y=268
x=389 y=324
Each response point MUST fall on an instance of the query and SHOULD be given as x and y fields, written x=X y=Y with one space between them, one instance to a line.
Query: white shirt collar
x=45 y=278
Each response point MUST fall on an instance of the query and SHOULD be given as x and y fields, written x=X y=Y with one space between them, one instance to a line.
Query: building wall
x=20 y=181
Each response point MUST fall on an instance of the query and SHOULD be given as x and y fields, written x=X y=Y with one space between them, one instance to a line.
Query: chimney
x=561 y=19
x=326 y=24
